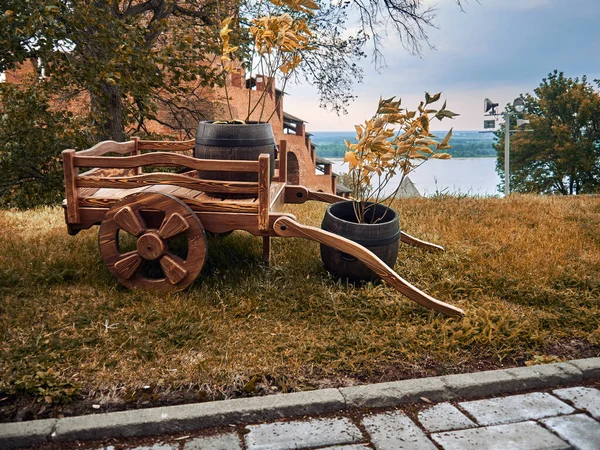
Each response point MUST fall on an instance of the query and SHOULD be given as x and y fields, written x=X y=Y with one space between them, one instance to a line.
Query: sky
x=495 y=48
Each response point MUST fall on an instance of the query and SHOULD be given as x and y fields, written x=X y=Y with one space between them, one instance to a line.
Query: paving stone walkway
x=551 y=406
x=564 y=418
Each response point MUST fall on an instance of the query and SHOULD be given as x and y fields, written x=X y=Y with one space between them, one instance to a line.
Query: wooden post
x=71 y=173
x=283 y=161
x=266 y=249
x=136 y=151
x=264 y=186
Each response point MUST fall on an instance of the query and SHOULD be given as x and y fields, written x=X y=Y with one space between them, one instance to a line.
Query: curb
x=173 y=419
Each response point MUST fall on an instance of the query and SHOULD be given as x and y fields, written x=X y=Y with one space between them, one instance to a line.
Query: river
x=470 y=176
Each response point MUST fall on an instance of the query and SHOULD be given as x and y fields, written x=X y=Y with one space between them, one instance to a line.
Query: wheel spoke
x=128 y=220
x=173 y=268
x=172 y=226
x=128 y=264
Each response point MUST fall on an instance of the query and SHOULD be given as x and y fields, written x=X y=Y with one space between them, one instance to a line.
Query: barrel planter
x=382 y=238
x=234 y=141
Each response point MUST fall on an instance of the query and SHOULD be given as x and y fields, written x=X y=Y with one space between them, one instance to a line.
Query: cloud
x=497 y=49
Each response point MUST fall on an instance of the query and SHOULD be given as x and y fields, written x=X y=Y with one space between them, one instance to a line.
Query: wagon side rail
x=97 y=159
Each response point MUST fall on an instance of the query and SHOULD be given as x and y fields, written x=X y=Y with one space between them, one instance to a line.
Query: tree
x=561 y=155
x=32 y=136
x=132 y=56
x=128 y=59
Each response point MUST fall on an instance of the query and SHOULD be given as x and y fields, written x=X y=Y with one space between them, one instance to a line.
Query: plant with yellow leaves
x=395 y=141
x=276 y=42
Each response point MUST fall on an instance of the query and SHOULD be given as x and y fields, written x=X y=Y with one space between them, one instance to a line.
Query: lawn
x=526 y=270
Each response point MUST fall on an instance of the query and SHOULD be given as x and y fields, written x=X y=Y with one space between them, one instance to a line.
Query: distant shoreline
x=465 y=143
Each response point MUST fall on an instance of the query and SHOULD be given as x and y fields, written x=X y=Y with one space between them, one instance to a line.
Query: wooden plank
x=283 y=161
x=264 y=188
x=167 y=146
x=224 y=222
x=277 y=196
x=105 y=147
x=162 y=188
x=233 y=187
x=86 y=192
x=97 y=172
x=70 y=173
x=290 y=228
x=184 y=192
x=166 y=159
x=212 y=207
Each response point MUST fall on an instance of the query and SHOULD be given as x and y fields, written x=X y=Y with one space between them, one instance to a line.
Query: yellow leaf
x=350 y=158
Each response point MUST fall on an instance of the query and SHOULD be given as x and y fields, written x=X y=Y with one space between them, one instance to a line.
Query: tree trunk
x=107 y=110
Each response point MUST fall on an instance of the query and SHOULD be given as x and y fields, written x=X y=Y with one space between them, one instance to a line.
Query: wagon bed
x=122 y=191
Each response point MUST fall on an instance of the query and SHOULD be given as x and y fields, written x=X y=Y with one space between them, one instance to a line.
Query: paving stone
x=312 y=433
x=583 y=398
x=175 y=419
x=590 y=367
x=348 y=447
x=514 y=436
x=480 y=384
x=158 y=447
x=443 y=417
x=395 y=393
x=229 y=441
x=395 y=431
x=25 y=434
x=515 y=408
x=579 y=430
x=544 y=376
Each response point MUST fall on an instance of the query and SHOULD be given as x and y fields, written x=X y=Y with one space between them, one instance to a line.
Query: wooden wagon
x=156 y=207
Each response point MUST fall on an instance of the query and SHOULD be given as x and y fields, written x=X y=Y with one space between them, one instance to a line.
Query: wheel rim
x=132 y=215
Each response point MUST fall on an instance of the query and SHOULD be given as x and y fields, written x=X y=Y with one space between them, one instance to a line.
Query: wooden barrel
x=382 y=238
x=233 y=141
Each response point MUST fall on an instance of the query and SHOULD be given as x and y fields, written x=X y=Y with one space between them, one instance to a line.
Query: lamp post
x=519 y=107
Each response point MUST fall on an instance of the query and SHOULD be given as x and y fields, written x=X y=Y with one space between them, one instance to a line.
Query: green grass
x=526 y=270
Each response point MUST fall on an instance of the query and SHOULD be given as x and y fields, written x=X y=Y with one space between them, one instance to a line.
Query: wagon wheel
x=139 y=215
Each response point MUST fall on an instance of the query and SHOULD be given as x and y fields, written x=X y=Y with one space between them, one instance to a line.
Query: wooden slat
x=138 y=170
x=223 y=222
x=70 y=172
x=234 y=187
x=105 y=147
x=167 y=146
x=277 y=196
x=211 y=207
x=264 y=188
x=166 y=159
x=97 y=172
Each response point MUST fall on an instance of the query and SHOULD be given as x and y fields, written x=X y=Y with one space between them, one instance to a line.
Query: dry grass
x=526 y=270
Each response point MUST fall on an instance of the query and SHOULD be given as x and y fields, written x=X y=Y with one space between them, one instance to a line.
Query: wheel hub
x=151 y=246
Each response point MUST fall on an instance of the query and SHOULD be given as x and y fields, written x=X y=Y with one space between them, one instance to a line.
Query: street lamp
x=519 y=107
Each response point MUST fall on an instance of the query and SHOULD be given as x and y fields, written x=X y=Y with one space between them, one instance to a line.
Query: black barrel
x=233 y=141
x=382 y=238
